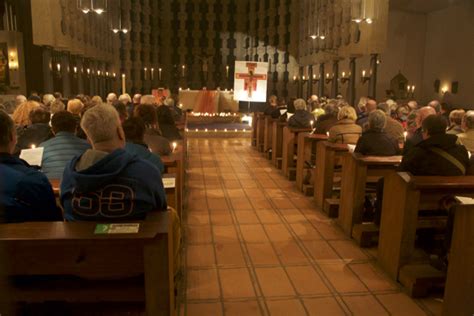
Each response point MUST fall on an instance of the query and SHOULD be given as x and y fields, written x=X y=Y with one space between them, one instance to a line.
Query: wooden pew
x=260 y=131
x=254 y=128
x=58 y=261
x=327 y=156
x=306 y=142
x=458 y=293
x=174 y=164
x=404 y=195
x=267 y=135
x=277 y=143
x=290 y=138
x=356 y=172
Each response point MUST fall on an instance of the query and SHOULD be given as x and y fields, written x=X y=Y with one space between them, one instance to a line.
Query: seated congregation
x=376 y=167
x=108 y=162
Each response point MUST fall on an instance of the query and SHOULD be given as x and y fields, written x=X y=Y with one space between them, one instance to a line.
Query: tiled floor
x=256 y=246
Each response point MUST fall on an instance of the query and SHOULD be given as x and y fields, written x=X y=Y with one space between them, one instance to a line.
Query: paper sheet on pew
x=169 y=183
x=32 y=156
x=351 y=148
x=465 y=200
x=131 y=228
x=283 y=111
x=289 y=114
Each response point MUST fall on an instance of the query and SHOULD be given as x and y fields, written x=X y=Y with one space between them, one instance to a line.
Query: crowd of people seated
x=100 y=152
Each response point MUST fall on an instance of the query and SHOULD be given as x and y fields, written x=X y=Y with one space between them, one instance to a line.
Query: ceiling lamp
x=97 y=6
x=364 y=11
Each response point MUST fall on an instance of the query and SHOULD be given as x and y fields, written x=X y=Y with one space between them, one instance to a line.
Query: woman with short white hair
x=301 y=118
x=346 y=130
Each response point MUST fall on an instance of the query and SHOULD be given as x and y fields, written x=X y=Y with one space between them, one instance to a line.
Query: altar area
x=208 y=101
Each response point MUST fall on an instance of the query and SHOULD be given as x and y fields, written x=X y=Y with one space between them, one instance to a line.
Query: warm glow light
x=225 y=129
x=369 y=21
x=85 y=11
x=115 y=30
x=444 y=89
x=58 y=66
x=99 y=11
x=88 y=71
x=363 y=73
x=75 y=69
x=405 y=135
x=322 y=37
x=205 y=130
x=313 y=36
x=124 y=31
x=33 y=146
x=357 y=20
x=174 y=146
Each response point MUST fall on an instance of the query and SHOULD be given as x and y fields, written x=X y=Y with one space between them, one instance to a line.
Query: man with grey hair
x=301 y=118
x=467 y=138
x=106 y=182
x=48 y=99
x=375 y=141
x=417 y=136
x=148 y=99
x=20 y=99
x=370 y=106
x=393 y=127
x=136 y=99
x=111 y=97
x=125 y=98
x=435 y=105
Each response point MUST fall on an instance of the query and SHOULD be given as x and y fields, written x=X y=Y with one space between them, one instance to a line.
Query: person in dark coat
x=302 y=118
x=36 y=133
x=327 y=120
x=375 y=141
x=436 y=155
x=271 y=106
x=167 y=123
x=25 y=193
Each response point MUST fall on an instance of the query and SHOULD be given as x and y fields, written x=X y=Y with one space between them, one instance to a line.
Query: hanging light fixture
x=317 y=35
x=117 y=25
x=365 y=11
x=97 y=6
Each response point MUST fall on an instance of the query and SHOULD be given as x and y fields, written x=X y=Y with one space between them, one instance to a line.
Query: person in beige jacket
x=467 y=138
x=345 y=131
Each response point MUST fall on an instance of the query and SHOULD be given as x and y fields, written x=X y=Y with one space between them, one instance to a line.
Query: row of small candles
x=216 y=130
x=221 y=114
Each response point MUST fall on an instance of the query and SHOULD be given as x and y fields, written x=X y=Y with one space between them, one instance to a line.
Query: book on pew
x=32 y=156
x=169 y=183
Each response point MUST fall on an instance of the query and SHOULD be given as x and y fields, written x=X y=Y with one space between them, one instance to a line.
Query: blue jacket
x=58 y=151
x=142 y=151
x=25 y=193
x=118 y=186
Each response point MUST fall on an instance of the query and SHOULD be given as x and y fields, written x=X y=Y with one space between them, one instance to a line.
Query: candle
x=159 y=73
x=327 y=134
x=343 y=74
x=405 y=135
x=123 y=84
x=227 y=71
x=33 y=146
x=363 y=73
x=183 y=68
x=327 y=75
x=152 y=72
x=413 y=88
x=311 y=122
x=144 y=72
x=174 y=146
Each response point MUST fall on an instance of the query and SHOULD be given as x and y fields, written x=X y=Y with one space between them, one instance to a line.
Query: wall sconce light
x=410 y=91
x=445 y=89
x=329 y=78
x=304 y=79
x=152 y=72
x=74 y=69
x=88 y=71
x=145 y=70
x=344 y=78
x=295 y=79
x=106 y=73
x=316 y=79
x=114 y=75
x=13 y=61
x=365 y=77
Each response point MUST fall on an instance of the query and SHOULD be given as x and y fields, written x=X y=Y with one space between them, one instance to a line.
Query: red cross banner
x=250 y=82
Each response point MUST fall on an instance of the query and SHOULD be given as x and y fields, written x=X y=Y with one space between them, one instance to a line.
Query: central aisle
x=256 y=246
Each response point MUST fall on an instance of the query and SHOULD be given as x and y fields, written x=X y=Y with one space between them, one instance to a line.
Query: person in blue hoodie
x=106 y=182
x=25 y=193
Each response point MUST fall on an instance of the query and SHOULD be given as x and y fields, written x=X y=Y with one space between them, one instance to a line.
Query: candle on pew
x=174 y=146
x=405 y=133
x=33 y=146
x=311 y=122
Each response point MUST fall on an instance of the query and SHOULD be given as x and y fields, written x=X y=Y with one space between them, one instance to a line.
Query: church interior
x=236 y=157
